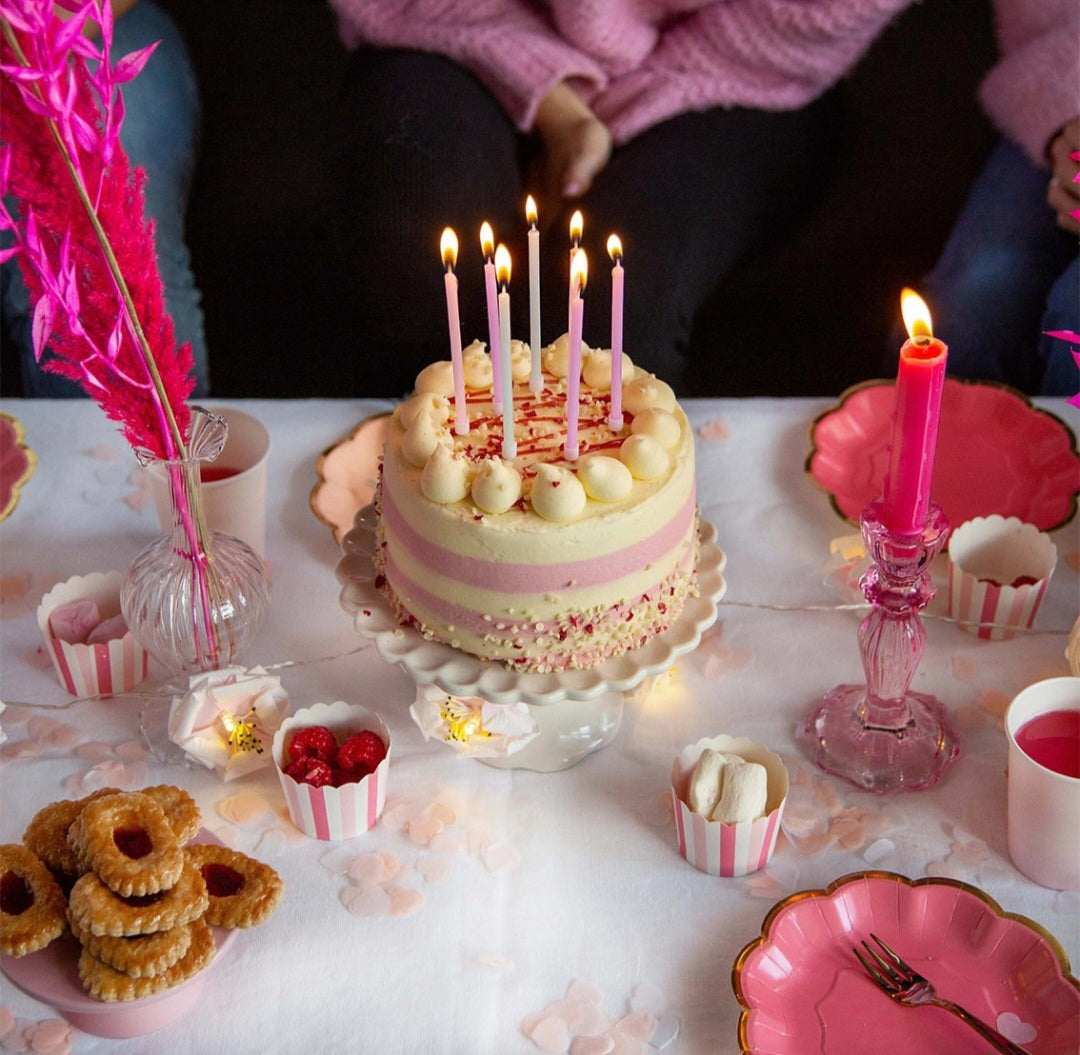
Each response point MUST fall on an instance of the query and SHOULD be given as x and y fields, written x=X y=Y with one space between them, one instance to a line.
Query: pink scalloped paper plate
x=17 y=463
x=346 y=473
x=996 y=453
x=804 y=993
x=52 y=976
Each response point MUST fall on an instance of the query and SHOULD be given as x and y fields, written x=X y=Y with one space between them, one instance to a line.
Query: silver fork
x=906 y=986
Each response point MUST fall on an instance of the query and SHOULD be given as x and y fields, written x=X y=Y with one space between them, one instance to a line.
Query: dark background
x=810 y=317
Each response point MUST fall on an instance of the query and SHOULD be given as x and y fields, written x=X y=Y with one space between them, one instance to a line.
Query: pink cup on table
x=1043 y=727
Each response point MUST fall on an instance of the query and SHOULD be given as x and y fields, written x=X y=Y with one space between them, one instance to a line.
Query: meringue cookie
x=662 y=425
x=520 y=360
x=605 y=479
x=556 y=357
x=744 y=793
x=496 y=486
x=557 y=494
x=446 y=477
x=644 y=456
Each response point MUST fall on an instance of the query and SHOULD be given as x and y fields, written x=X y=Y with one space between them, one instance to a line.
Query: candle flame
x=579 y=269
x=916 y=314
x=614 y=247
x=577 y=224
x=487 y=239
x=530 y=209
x=448 y=246
x=502 y=265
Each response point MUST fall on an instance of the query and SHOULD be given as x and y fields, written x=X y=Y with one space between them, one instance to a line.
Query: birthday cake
x=531 y=558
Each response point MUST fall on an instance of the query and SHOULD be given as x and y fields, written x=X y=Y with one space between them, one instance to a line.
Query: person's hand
x=577 y=144
x=1063 y=195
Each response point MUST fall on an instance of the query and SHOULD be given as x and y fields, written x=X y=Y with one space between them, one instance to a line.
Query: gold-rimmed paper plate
x=346 y=475
x=17 y=463
x=802 y=989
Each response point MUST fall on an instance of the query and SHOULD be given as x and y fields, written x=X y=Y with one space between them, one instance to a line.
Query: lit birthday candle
x=579 y=273
x=920 y=381
x=577 y=225
x=502 y=271
x=535 y=377
x=487 y=246
x=614 y=248
x=449 y=249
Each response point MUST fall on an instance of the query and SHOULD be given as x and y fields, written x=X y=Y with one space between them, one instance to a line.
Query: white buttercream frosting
x=437 y=406
x=596 y=369
x=644 y=456
x=496 y=486
x=662 y=425
x=476 y=366
x=647 y=391
x=557 y=494
x=446 y=476
x=421 y=439
x=520 y=361
x=556 y=356
x=605 y=479
x=437 y=377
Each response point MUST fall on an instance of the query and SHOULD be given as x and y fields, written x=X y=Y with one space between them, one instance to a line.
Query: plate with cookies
x=114 y=907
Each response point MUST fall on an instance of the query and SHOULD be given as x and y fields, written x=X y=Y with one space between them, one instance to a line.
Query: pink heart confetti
x=498 y=857
x=667 y=1029
x=403 y=900
x=647 y=997
x=367 y=900
x=94 y=751
x=638 y=1025
x=550 y=1034
x=594 y=1020
x=244 y=808
x=450 y=841
x=373 y=867
x=595 y=1045
x=423 y=829
x=586 y=992
x=434 y=867
x=1015 y=1028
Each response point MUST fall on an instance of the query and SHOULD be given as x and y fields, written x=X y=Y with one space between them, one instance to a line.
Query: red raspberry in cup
x=313 y=741
x=361 y=753
x=311 y=770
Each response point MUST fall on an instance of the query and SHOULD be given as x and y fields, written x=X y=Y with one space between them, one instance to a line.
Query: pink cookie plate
x=996 y=453
x=52 y=976
x=346 y=475
x=17 y=463
x=803 y=991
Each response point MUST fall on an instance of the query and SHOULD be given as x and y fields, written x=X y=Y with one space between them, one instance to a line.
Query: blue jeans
x=1007 y=274
x=159 y=134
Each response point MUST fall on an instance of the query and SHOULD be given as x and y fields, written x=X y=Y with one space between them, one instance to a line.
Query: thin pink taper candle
x=502 y=272
x=577 y=225
x=449 y=249
x=536 y=380
x=615 y=415
x=487 y=247
x=920 y=380
x=579 y=273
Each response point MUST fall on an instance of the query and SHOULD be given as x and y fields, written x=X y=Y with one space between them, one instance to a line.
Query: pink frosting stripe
x=533 y=578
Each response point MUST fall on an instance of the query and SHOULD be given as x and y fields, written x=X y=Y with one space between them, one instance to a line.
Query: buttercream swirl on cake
x=538 y=561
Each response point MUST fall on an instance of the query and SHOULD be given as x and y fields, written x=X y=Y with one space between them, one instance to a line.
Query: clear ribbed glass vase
x=195 y=599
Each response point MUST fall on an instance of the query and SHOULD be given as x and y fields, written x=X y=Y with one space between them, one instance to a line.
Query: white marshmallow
x=743 y=794
x=706 y=780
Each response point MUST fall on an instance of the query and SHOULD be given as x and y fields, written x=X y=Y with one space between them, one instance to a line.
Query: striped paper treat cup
x=728 y=850
x=999 y=569
x=328 y=812
x=105 y=668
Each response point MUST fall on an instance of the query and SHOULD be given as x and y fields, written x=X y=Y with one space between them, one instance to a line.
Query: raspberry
x=349 y=776
x=315 y=740
x=311 y=770
x=361 y=750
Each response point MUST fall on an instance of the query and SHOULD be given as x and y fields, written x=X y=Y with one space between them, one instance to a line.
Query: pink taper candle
x=615 y=415
x=449 y=248
x=579 y=273
x=920 y=381
x=487 y=246
x=536 y=380
x=577 y=225
x=502 y=271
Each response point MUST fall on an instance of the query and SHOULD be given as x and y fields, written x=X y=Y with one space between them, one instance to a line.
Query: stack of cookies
x=142 y=897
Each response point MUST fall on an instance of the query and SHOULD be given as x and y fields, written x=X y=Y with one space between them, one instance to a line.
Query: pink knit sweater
x=1035 y=87
x=635 y=63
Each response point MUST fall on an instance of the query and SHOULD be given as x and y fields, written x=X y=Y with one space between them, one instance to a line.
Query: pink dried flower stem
x=102 y=342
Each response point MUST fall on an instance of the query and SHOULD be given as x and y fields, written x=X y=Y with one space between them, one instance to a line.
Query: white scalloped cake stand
x=578 y=711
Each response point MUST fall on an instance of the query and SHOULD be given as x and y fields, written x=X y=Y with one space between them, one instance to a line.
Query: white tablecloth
x=455 y=939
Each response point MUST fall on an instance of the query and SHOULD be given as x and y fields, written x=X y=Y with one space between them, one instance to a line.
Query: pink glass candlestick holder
x=881 y=736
